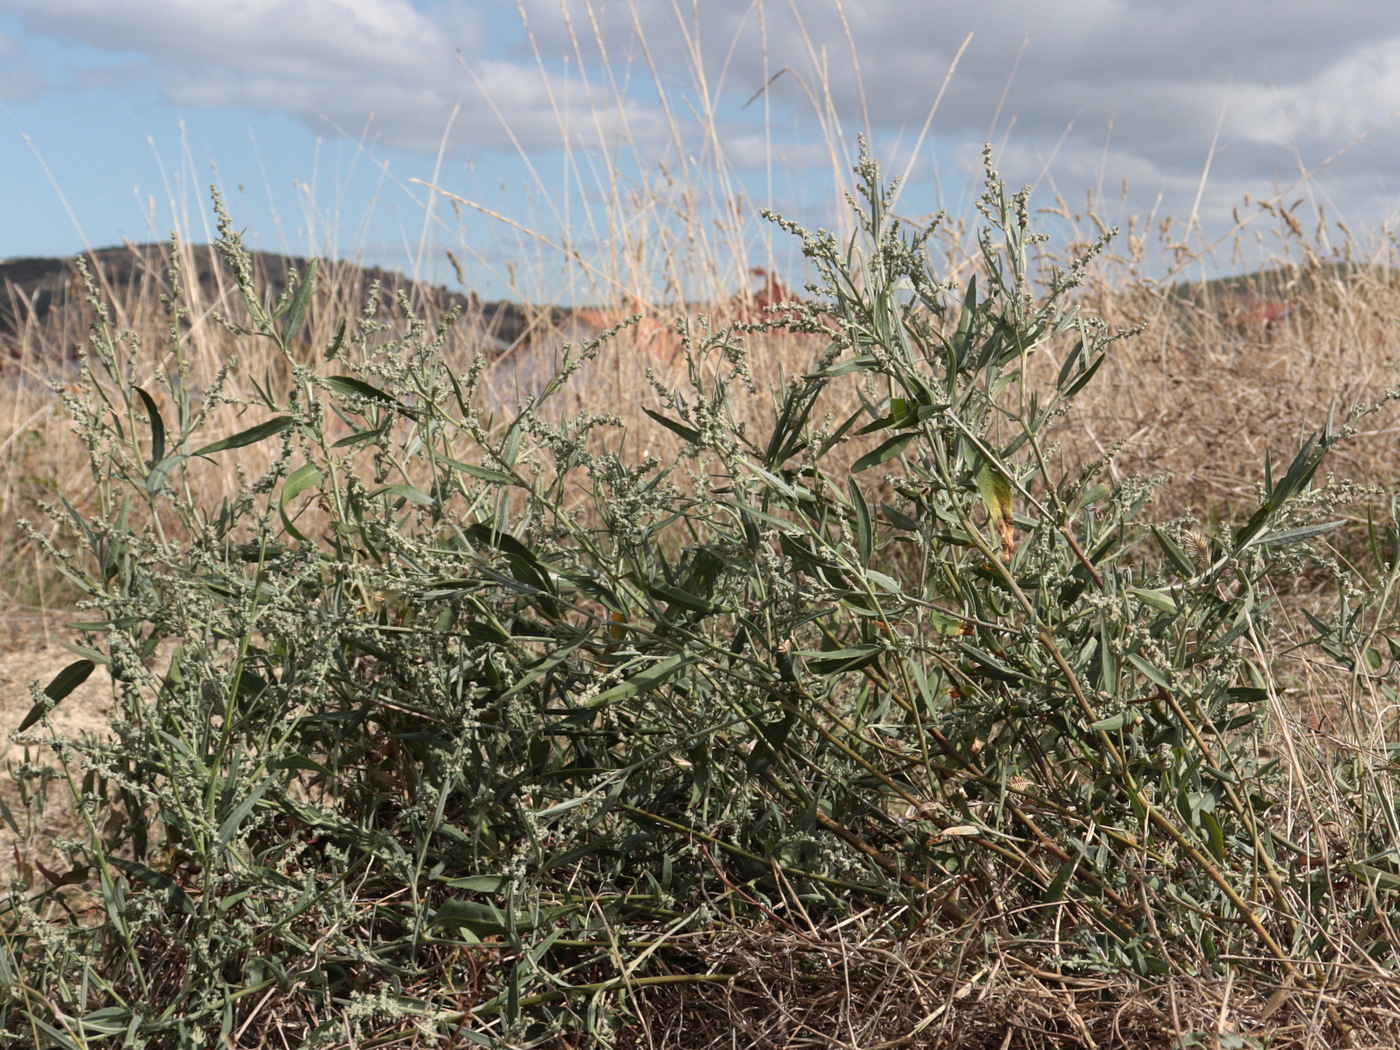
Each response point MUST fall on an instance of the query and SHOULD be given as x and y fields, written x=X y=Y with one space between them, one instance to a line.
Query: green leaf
x=898 y=518
x=503 y=542
x=361 y=437
x=349 y=386
x=528 y=569
x=246 y=437
x=476 y=917
x=1159 y=600
x=865 y=536
x=969 y=310
x=990 y=666
x=1376 y=877
x=174 y=895
x=539 y=670
x=110 y=1020
x=1300 y=472
x=1084 y=378
x=853 y=364
x=888 y=450
x=835 y=661
x=10 y=822
x=1246 y=694
x=690 y=434
x=904 y=412
x=298 y=481
x=883 y=582
x=684 y=599
x=407 y=492
x=480 y=883
x=1153 y=675
x=228 y=828
x=1071 y=359
x=1215 y=837
x=1113 y=723
x=644 y=681
x=1180 y=562
x=300 y=762
x=1306 y=532
x=72 y=676
x=771 y=737
x=157 y=427
x=338 y=342
x=295 y=311
x=795 y=494
x=499 y=477
x=160 y=473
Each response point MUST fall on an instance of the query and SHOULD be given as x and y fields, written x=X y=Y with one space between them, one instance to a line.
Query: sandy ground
x=31 y=649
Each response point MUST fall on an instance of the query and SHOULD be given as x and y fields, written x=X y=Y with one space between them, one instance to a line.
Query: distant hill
x=34 y=290
x=1280 y=283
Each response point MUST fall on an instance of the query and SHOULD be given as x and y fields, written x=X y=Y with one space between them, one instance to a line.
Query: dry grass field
x=1217 y=375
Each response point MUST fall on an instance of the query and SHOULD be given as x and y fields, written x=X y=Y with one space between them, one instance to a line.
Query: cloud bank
x=1083 y=89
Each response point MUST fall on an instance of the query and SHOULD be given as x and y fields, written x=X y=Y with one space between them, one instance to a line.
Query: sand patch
x=31 y=650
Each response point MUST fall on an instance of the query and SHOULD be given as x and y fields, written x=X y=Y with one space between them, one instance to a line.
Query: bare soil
x=31 y=650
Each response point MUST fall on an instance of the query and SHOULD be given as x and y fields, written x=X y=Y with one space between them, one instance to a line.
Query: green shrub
x=484 y=726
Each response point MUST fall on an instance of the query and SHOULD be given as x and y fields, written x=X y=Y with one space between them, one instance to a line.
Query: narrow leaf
x=1113 y=723
x=835 y=661
x=643 y=681
x=1159 y=600
x=891 y=448
x=296 y=309
x=349 y=386
x=407 y=492
x=690 y=434
x=247 y=437
x=160 y=473
x=174 y=895
x=1178 y=558
x=476 y=917
x=157 y=427
x=300 y=762
x=898 y=518
x=865 y=536
x=230 y=825
x=298 y=481
x=72 y=676
x=1306 y=532
x=338 y=342
x=1071 y=359
x=499 y=477
x=1153 y=675
x=1084 y=377
x=682 y=598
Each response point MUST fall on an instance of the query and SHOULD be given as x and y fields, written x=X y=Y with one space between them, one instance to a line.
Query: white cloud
x=344 y=66
x=1134 y=86
x=1102 y=86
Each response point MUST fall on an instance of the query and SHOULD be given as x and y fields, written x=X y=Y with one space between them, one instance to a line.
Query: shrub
x=487 y=726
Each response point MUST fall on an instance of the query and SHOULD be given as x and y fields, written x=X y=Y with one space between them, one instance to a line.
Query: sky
x=576 y=149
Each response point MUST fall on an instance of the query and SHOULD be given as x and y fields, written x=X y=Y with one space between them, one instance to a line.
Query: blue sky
x=611 y=125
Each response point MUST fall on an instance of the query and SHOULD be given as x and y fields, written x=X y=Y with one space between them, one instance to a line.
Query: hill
x=44 y=296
